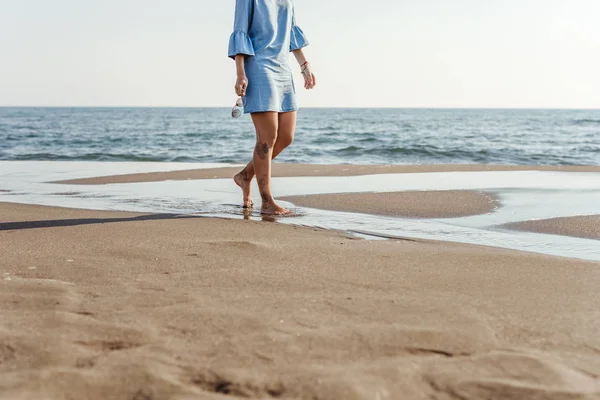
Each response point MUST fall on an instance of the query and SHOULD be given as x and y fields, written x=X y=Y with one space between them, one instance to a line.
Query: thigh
x=266 y=124
x=287 y=126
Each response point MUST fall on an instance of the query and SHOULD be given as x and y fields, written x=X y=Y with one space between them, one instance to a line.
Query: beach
x=103 y=304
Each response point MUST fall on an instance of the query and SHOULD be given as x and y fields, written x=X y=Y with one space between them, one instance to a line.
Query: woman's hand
x=309 y=78
x=241 y=85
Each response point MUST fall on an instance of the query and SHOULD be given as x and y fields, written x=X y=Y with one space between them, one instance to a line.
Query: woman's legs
x=284 y=125
x=285 y=137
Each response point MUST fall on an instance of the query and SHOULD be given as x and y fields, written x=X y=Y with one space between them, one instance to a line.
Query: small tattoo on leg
x=264 y=197
x=262 y=149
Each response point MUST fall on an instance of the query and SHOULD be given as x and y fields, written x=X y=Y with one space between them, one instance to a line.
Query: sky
x=375 y=53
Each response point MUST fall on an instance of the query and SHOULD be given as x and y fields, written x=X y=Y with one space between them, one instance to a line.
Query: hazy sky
x=376 y=53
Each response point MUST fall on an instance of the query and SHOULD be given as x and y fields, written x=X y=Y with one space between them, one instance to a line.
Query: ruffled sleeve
x=239 y=41
x=297 y=38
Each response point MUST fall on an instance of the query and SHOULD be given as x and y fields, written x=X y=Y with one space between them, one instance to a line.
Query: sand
x=414 y=204
x=106 y=305
x=283 y=170
x=582 y=226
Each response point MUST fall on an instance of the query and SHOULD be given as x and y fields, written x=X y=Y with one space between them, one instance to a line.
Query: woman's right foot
x=274 y=209
x=244 y=183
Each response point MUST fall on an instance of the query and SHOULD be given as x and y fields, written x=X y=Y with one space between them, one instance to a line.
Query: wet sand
x=583 y=226
x=417 y=204
x=289 y=170
x=107 y=305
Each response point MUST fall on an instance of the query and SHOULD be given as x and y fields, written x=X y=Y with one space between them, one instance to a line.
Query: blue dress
x=266 y=32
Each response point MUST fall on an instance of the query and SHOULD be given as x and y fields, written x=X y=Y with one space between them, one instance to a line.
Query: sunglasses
x=236 y=111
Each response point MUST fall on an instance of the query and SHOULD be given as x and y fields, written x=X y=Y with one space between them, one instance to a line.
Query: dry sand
x=418 y=204
x=283 y=170
x=104 y=305
x=583 y=226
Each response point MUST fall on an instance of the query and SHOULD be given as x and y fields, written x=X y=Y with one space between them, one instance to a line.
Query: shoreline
x=464 y=206
x=407 y=204
x=315 y=170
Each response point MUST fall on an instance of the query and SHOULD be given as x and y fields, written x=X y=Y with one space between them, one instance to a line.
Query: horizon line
x=318 y=107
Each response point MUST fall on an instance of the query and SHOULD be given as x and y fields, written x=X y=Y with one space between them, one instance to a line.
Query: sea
x=323 y=136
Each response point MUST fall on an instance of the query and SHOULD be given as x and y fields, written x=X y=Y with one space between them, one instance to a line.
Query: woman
x=265 y=32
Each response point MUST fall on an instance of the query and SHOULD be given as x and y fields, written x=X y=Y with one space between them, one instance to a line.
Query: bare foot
x=274 y=209
x=243 y=182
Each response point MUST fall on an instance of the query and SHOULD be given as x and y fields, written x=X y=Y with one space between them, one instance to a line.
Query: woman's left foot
x=243 y=182
x=274 y=209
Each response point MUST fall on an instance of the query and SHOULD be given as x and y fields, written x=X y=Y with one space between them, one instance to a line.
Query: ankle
x=245 y=175
x=267 y=201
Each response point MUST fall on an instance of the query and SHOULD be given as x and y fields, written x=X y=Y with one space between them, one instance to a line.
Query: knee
x=285 y=140
x=269 y=138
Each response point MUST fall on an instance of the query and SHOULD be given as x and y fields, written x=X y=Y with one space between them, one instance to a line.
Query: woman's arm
x=240 y=44
x=241 y=82
x=300 y=57
x=309 y=78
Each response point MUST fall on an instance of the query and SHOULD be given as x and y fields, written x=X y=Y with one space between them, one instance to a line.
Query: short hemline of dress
x=280 y=111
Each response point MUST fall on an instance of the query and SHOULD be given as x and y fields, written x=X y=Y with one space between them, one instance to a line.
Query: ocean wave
x=82 y=157
x=453 y=155
x=585 y=121
x=412 y=150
